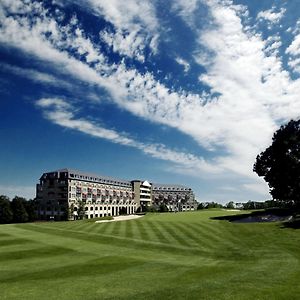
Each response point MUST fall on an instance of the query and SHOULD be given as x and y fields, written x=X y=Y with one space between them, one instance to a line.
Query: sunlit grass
x=159 y=256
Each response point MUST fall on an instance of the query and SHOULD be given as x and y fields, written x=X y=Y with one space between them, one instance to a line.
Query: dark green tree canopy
x=20 y=214
x=6 y=214
x=279 y=164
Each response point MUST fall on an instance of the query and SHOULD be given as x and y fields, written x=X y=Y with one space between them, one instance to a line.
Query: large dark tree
x=20 y=214
x=6 y=214
x=279 y=164
x=30 y=207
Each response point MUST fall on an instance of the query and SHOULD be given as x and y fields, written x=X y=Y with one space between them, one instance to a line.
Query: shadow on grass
x=268 y=215
x=294 y=223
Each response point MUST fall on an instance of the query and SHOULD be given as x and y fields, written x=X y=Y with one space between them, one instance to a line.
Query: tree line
x=17 y=210
x=250 y=205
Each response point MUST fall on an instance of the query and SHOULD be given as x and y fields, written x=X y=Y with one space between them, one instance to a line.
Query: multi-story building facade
x=71 y=194
x=175 y=197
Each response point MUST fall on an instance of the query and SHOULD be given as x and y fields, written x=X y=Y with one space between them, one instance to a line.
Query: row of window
x=78 y=185
x=98 y=197
x=91 y=208
x=171 y=189
x=97 y=179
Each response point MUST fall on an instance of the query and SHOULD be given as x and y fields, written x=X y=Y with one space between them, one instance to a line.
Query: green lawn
x=160 y=256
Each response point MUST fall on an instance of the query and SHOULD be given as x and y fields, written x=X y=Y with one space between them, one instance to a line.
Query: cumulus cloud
x=271 y=15
x=135 y=25
x=294 y=52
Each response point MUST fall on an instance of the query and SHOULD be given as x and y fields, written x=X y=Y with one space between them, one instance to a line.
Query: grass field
x=160 y=256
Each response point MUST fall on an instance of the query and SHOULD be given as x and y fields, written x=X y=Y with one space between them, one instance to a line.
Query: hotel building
x=175 y=197
x=71 y=194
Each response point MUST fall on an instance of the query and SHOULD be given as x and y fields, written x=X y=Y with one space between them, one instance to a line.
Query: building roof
x=160 y=186
x=91 y=175
x=146 y=183
x=110 y=180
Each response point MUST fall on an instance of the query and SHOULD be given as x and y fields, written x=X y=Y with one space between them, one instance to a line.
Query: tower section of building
x=142 y=193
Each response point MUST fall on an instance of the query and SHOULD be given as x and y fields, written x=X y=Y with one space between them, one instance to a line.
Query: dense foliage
x=279 y=164
x=18 y=210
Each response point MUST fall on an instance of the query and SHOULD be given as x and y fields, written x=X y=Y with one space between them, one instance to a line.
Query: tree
x=230 y=205
x=200 y=206
x=163 y=208
x=71 y=212
x=213 y=205
x=30 y=207
x=18 y=208
x=6 y=214
x=279 y=164
x=81 y=210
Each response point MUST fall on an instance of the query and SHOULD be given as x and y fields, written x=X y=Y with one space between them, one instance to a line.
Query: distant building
x=67 y=194
x=175 y=197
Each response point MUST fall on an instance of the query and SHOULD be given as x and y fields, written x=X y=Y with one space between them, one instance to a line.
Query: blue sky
x=183 y=91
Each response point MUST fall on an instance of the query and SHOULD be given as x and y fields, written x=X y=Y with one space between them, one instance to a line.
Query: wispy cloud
x=251 y=93
x=62 y=113
x=36 y=76
x=18 y=190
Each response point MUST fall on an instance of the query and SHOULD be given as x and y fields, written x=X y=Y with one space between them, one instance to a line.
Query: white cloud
x=184 y=63
x=36 y=76
x=255 y=93
x=131 y=44
x=294 y=48
x=271 y=15
x=186 y=9
x=294 y=51
x=11 y=191
x=259 y=188
x=135 y=25
x=61 y=113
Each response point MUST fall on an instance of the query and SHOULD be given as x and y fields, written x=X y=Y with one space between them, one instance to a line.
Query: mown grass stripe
x=116 y=240
x=143 y=233
x=168 y=226
x=205 y=239
x=116 y=228
x=158 y=232
x=188 y=232
x=102 y=228
x=128 y=229
x=101 y=266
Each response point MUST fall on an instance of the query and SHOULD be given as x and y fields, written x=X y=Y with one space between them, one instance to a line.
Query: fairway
x=159 y=256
